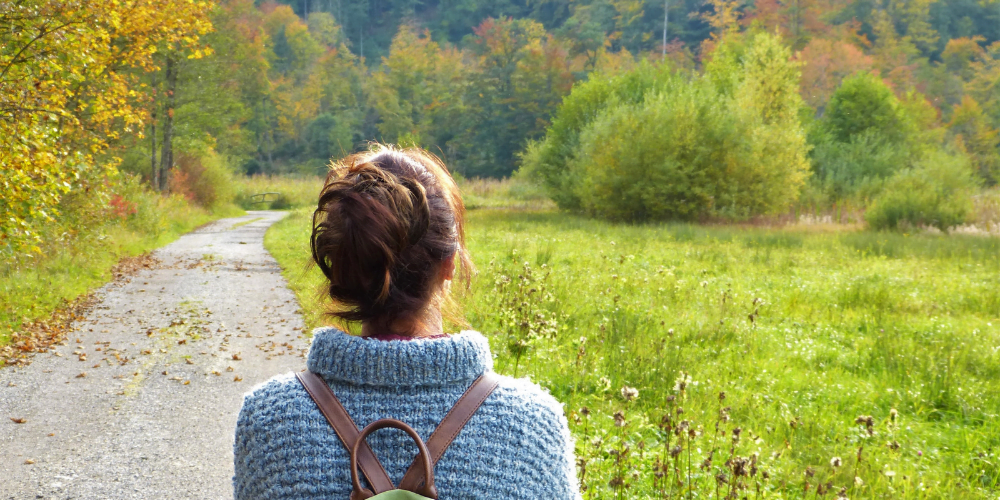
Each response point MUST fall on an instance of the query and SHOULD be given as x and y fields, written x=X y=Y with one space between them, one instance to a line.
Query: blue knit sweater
x=516 y=446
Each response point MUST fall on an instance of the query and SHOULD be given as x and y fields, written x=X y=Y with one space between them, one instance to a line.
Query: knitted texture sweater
x=516 y=446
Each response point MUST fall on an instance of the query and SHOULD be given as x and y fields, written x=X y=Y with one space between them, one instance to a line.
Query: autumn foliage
x=69 y=89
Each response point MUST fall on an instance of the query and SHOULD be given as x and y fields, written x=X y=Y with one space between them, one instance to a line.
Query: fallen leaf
x=188 y=360
x=19 y=420
x=82 y=375
x=83 y=357
x=29 y=462
x=229 y=368
x=236 y=357
x=187 y=382
x=216 y=373
x=182 y=342
x=237 y=379
x=164 y=372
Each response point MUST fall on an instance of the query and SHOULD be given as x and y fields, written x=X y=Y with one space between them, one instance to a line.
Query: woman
x=388 y=234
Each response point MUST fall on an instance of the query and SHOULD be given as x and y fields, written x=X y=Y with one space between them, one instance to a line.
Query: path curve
x=149 y=407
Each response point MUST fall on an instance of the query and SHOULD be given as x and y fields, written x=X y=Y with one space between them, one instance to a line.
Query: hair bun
x=384 y=224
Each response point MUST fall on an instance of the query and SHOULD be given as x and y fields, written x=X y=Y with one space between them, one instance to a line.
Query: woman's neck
x=427 y=325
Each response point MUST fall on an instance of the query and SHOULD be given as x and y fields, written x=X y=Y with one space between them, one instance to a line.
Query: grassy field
x=857 y=364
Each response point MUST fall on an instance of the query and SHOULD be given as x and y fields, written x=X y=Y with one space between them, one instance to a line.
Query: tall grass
x=511 y=193
x=722 y=362
x=288 y=192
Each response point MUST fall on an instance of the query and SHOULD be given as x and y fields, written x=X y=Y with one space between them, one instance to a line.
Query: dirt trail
x=141 y=400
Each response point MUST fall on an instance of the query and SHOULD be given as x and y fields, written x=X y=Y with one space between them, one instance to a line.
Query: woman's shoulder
x=523 y=400
x=274 y=393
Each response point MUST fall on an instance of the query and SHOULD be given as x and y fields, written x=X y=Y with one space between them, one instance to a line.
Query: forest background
x=184 y=95
x=124 y=123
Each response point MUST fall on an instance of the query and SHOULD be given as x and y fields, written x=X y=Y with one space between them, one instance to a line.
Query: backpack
x=413 y=486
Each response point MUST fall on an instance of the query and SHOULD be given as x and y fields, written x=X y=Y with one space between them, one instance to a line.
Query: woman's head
x=387 y=233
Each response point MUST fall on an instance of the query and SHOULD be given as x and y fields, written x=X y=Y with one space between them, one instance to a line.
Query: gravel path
x=141 y=400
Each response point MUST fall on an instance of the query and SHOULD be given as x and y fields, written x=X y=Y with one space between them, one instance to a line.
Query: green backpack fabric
x=399 y=495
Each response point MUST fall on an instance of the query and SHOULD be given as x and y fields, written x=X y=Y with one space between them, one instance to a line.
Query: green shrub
x=861 y=103
x=548 y=159
x=281 y=202
x=692 y=147
x=938 y=192
x=858 y=166
x=202 y=177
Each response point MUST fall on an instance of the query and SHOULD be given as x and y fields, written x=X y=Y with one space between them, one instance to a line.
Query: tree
x=825 y=63
x=66 y=93
x=973 y=133
x=418 y=91
x=861 y=103
x=519 y=74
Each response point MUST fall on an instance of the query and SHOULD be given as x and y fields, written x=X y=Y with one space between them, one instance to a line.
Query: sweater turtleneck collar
x=459 y=358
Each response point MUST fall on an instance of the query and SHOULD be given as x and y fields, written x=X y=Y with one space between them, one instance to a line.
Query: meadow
x=739 y=362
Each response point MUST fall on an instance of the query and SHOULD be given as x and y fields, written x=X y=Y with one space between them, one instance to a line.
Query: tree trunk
x=167 y=155
x=154 y=172
x=666 y=18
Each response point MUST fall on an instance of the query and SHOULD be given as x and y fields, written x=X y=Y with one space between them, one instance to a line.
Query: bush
x=938 y=192
x=728 y=144
x=861 y=103
x=548 y=159
x=202 y=177
x=687 y=152
x=858 y=166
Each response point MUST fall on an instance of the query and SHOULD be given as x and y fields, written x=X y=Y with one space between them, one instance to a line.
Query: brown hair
x=386 y=221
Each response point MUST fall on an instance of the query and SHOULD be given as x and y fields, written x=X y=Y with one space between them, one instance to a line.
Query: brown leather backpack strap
x=452 y=424
x=346 y=430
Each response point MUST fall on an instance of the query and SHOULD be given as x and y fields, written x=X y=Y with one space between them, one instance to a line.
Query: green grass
x=803 y=331
x=70 y=265
x=292 y=191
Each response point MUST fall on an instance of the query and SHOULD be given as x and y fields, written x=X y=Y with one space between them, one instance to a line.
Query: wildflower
x=835 y=462
x=893 y=445
x=619 y=418
x=676 y=450
x=707 y=464
x=842 y=494
x=629 y=393
x=893 y=414
x=722 y=396
x=736 y=435
x=858 y=481
x=666 y=421
x=739 y=466
x=585 y=411
x=681 y=382
x=724 y=414
x=810 y=472
x=596 y=442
